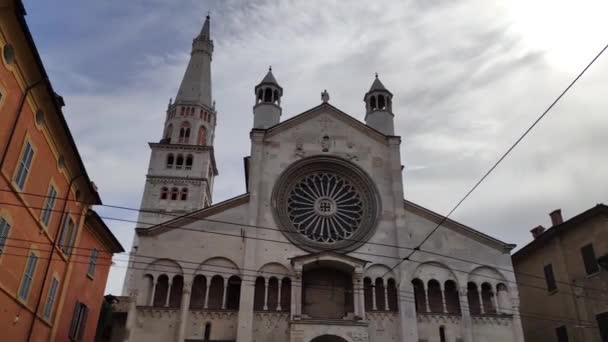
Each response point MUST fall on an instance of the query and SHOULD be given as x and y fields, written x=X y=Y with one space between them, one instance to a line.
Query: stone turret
x=379 y=108
x=267 y=108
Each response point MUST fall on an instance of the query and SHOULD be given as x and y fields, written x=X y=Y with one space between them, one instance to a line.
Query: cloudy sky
x=469 y=76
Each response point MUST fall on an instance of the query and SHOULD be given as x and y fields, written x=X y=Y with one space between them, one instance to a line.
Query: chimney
x=536 y=232
x=556 y=217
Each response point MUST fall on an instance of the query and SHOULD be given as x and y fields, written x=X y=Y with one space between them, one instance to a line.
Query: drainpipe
x=48 y=265
x=18 y=115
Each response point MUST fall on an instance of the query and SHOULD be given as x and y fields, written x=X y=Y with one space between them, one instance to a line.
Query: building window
x=170 y=161
x=602 y=323
x=562 y=333
x=589 y=259
x=68 y=234
x=23 y=169
x=50 y=299
x=164 y=192
x=174 y=193
x=442 y=334
x=550 y=278
x=92 y=262
x=207 y=334
x=184 y=194
x=49 y=204
x=79 y=320
x=28 y=276
x=4 y=229
x=179 y=163
x=189 y=162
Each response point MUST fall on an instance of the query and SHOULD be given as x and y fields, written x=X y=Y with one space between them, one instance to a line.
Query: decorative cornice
x=438 y=318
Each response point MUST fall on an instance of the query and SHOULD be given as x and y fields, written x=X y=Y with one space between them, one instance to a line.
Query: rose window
x=325 y=203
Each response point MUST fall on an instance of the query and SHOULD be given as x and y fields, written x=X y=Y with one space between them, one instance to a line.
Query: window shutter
x=74 y=323
x=550 y=278
x=589 y=259
x=83 y=321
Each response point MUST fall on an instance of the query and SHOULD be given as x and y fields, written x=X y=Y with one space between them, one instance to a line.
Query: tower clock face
x=325 y=203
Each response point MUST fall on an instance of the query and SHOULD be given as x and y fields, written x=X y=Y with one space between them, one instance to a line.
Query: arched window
x=259 y=293
x=487 y=295
x=419 y=295
x=452 y=301
x=393 y=295
x=169 y=133
x=273 y=293
x=381 y=104
x=199 y=286
x=260 y=96
x=434 y=293
x=184 y=132
x=177 y=286
x=276 y=97
x=286 y=294
x=164 y=192
x=473 y=299
x=207 y=333
x=189 y=162
x=233 y=295
x=367 y=294
x=202 y=136
x=170 y=161
x=149 y=280
x=179 y=163
x=442 y=334
x=174 y=193
x=268 y=95
x=160 y=292
x=379 y=288
x=216 y=293
x=200 y=113
x=372 y=103
x=183 y=195
x=181 y=112
x=504 y=305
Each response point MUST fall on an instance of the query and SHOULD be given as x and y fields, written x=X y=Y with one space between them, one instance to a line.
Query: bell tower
x=379 y=108
x=182 y=165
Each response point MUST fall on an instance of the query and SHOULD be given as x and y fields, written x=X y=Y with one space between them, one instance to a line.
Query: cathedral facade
x=314 y=249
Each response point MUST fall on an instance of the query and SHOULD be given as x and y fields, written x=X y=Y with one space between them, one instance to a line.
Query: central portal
x=327 y=293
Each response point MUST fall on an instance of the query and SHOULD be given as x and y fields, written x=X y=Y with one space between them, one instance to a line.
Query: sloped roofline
x=194 y=216
x=547 y=235
x=459 y=227
x=282 y=126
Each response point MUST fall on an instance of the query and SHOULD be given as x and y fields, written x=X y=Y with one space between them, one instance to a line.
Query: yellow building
x=562 y=279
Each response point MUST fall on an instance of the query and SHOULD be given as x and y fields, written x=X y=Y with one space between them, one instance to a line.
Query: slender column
x=206 y=300
x=496 y=302
x=225 y=294
x=168 y=294
x=279 y=295
x=386 y=296
x=355 y=294
x=361 y=295
x=426 y=298
x=481 y=308
x=183 y=312
x=297 y=291
x=131 y=316
x=467 y=325
x=265 y=294
x=151 y=299
x=443 y=303
x=374 y=306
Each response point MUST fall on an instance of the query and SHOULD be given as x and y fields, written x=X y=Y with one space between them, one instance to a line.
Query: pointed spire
x=269 y=78
x=377 y=85
x=206 y=30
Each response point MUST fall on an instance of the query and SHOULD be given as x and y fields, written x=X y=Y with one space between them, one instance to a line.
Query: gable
x=457 y=227
x=338 y=116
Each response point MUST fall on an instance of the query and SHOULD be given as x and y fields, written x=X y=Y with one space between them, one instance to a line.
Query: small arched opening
x=452 y=301
x=419 y=295
x=233 y=295
x=473 y=299
x=160 y=292
x=199 y=287
x=434 y=293
x=216 y=293
x=177 y=287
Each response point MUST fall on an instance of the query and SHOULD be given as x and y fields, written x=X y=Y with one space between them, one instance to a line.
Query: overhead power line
x=419 y=246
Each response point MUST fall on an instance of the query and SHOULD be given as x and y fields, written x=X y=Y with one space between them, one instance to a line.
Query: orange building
x=48 y=232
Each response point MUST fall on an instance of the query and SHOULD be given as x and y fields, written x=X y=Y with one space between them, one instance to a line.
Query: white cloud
x=468 y=78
